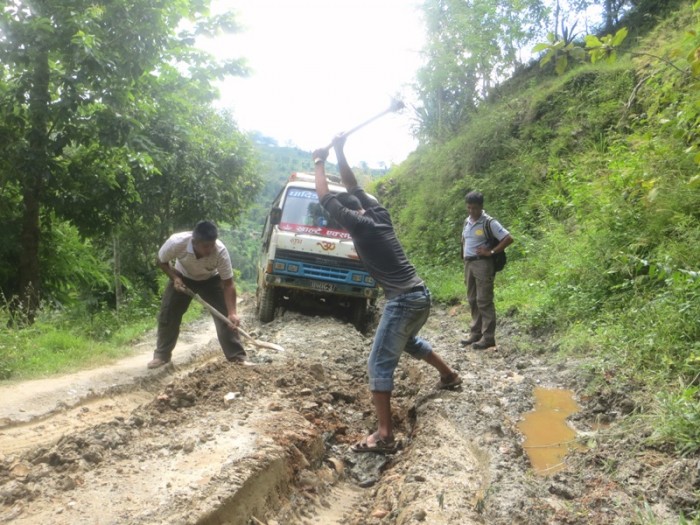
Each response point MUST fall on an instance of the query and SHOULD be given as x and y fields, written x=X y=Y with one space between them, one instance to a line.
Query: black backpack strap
x=487 y=230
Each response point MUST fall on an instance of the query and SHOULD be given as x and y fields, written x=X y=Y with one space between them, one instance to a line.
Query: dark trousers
x=479 y=277
x=173 y=306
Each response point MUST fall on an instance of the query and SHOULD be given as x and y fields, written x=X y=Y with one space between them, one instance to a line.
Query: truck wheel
x=360 y=315
x=266 y=304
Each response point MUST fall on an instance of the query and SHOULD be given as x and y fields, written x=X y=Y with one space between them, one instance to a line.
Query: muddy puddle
x=548 y=436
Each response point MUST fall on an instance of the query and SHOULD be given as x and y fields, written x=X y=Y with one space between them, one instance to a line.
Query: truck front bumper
x=320 y=287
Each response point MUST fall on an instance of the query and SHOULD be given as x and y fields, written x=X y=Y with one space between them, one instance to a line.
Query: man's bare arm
x=346 y=173
x=320 y=156
x=174 y=275
x=485 y=251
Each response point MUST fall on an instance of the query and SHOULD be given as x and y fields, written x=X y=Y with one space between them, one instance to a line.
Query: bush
x=679 y=419
x=595 y=174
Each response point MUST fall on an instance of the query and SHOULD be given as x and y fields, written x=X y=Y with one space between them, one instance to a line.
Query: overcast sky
x=320 y=67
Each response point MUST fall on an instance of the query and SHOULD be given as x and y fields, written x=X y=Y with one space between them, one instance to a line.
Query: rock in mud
x=562 y=490
x=20 y=470
x=420 y=515
x=12 y=491
x=66 y=483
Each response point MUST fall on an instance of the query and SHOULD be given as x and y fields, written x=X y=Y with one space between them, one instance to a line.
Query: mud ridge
x=208 y=442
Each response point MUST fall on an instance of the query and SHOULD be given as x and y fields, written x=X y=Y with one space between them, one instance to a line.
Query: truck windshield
x=302 y=207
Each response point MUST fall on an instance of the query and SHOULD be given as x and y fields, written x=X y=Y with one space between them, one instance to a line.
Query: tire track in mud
x=38 y=412
x=176 y=449
x=65 y=481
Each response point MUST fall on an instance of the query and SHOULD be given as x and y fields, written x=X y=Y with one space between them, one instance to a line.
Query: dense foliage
x=474 y=47
x=596 y=174
x=108 y=142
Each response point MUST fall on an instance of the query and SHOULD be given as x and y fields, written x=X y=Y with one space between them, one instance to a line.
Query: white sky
x=320 y=67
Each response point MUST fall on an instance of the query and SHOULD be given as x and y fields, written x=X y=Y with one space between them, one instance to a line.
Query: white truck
x=305 y=254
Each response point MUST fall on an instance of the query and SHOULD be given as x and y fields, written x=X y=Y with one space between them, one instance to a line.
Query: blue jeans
x=401 y=320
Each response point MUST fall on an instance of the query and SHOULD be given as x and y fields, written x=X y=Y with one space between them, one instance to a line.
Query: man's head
x=204 y=238
x=349 y=201
x=475 y=203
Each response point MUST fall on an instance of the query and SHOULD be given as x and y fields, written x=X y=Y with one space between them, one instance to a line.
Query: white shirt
x=179 y=247
x=475 y=236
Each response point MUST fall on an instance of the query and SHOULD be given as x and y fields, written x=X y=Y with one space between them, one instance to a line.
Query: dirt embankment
x=207 y=442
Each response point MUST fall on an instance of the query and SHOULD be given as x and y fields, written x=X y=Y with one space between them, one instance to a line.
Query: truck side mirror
x=275 y=216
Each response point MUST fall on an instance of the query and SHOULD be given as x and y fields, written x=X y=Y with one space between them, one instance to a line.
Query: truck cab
x=306 y=255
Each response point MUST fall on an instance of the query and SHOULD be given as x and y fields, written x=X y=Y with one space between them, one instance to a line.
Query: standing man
x=479 y=271
x=408 y=299
x=203 y=265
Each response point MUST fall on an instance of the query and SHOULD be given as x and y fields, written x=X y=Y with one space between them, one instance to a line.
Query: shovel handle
x=226 y=320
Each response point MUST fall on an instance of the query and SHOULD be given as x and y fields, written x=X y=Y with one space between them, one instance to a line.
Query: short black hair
x=474 y=197
x=349 y=201
x=205 y=231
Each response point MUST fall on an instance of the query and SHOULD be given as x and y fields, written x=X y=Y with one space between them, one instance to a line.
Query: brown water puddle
x=547 y=436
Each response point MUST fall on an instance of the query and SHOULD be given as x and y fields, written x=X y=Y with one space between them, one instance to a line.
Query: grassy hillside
x=596 y=175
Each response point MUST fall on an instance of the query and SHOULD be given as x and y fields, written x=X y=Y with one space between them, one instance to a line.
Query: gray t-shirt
x=376 y=243
x=474 y=233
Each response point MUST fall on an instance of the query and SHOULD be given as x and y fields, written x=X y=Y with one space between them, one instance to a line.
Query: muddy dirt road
x=203 y=441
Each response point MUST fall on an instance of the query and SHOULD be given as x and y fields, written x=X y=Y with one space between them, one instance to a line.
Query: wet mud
x=203 y=441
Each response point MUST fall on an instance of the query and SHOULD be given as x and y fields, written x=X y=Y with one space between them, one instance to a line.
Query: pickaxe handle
x=396 y=105
x=226 y=320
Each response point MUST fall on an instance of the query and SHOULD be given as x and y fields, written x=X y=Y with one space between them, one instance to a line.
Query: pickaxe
x=396 y=105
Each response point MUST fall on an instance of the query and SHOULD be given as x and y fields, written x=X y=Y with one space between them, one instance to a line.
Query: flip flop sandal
x=450 y=381
x=380 y=446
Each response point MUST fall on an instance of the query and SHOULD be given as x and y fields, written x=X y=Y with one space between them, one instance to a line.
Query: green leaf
x=578 y=53
x=562 y=64
x=695 y=68
x=540 y=47
x=619 y=37
x=592 y=41
x=78 y=37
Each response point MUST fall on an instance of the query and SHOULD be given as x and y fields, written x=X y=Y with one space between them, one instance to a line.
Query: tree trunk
x=609 y=16
x=36 y=170
x=117 y=271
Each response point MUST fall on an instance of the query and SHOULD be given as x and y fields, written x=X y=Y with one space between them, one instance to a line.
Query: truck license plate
x=323 y=287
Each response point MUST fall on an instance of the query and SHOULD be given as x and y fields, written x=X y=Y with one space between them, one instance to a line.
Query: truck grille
x=320 y=260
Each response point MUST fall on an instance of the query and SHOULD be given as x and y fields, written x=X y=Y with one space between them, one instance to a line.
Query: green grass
x=62 y=342
x=446 y=283
x=601 y=198
x=678 y=419
x=49 y=350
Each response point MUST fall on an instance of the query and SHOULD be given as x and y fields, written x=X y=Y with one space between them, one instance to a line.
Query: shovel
x=216 y=313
